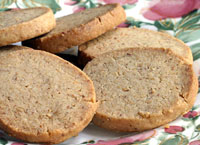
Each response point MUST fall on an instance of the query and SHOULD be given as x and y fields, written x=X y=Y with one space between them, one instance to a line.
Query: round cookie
x=121 y=38
x=78 y=28
x=19 y=25
x=43 y=98
x=141 y=88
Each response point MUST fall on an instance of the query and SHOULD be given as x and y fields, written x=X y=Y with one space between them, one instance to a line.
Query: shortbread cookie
x=141 y=89
x=79 y=28
x=19 y=25
x=43 y=98
x=132 y=37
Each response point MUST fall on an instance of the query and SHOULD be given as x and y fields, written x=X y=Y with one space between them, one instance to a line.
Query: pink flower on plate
x=196 y=142
x=139 y=137
x=190 y=114
x=122 y=2
x=78 y=9
x=14 y=9
x=161 y=9
x=69 y=2
x=122 y=25
x=174 y=129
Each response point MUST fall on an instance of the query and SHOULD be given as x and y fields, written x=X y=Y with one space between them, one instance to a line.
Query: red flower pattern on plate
x=190 y=114
x=75 y=9
x=123 y=25
x=196 y=142
x=69 y=2
x=122 y=2
x=139 y=137
x=78 y=9
x=161 y=9
x=174 y=129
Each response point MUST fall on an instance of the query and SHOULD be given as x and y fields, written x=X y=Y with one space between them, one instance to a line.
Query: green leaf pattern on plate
x=6 y=3
x=175 y=140
x=3 y=141
x=164 y=24
x=30 y=3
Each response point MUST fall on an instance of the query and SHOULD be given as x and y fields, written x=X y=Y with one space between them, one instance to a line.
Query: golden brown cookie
x=19 y=25
x=141 y=88
x=43 y=98
x=79 y=28
x=121 y=38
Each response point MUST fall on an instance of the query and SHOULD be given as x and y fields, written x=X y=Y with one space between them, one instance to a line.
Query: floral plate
x=180 y=18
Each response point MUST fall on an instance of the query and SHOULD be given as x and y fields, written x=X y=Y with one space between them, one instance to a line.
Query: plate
x=180 y=18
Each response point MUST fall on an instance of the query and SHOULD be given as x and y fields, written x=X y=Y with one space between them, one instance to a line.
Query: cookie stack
x=142 y=79
x=78 y=28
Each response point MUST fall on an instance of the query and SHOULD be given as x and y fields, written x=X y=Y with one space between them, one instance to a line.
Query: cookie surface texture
x=121 y=38
x=78 y=28
x=141 y=89
x=44 y=98
x=23 y=24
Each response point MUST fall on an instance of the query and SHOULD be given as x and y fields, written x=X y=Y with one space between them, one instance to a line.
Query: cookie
x=141 y=88
x=78 y=28
x=43 y=99
x=19 y=25
x=131 y=37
